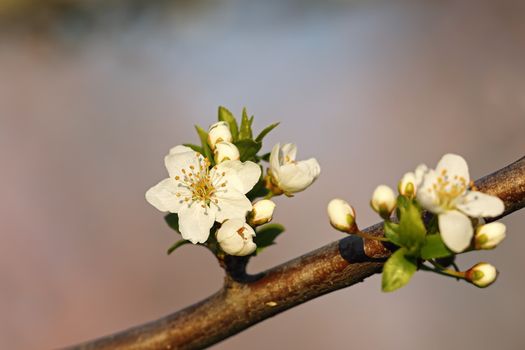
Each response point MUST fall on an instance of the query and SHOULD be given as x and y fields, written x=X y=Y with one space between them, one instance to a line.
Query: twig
x=245 y=299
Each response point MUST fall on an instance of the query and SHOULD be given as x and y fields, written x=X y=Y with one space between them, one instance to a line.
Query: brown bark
x=248 y=299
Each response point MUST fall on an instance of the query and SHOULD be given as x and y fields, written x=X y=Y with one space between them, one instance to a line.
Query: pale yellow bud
x=262 y=212
x=219 y=132
x=482 y=275
x=225 y=151
x=235 y=237
x=407 y=186
x=490 y=235
x=342 y=215
x=383 y=201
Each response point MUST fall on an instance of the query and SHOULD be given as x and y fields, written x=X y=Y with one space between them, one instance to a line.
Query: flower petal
x=232 y=204
x=275 y=164
x=419 y=173
x=176 y=162
x=477 y=204
x=241 y=176
x=311 y=166
x=180 y=149
x=426 y=195
x=288 y=153
x=456 y=230
x=454 y=165
x=295 y=178
x=163 y=195
x=195 y=222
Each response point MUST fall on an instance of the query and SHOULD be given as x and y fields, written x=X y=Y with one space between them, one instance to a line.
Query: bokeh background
x=94 y=93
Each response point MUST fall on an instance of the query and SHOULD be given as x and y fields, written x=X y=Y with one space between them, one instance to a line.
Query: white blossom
x=445 y=192
x=482 y=274
x=341 y=214
x=218 y=132
x=289 y=175
x=225 y=151
x=201 y=196
x=262 y=212
x=236 y=237
x=383 y=200
x=488 y=236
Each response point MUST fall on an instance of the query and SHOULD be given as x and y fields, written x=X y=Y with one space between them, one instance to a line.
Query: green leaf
x=434 y=248
x=206 y=151
x=245 y=132
x=194 y=147
x=172 y=220
x=248 y=149
x=265 y=132
x=412 y=230
x=258 y=191
x=392 y=233
x=266 y=235
x=226 y=116
x=397 y=271
x=177 y=245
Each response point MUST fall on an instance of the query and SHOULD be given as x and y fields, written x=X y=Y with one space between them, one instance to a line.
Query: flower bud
x=225 y=151
x=482 y=275
x=262 y=212
x=236 y=237
x=219 y=132
x=383 y=201
x=342 y=215
x=407 y=186
x=490 y=235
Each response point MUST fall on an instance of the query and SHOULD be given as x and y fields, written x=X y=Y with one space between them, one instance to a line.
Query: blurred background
x=94 y=93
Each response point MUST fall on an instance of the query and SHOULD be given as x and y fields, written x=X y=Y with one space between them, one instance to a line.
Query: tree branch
x=245 y=300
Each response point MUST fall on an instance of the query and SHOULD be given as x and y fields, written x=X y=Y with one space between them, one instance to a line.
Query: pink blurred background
x=89 y=107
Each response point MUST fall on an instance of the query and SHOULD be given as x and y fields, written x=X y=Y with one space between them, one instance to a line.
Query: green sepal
x=226 y=116
x=248 y=149
x=172 y=220
x=266 y=131
x=176 y=245
x=398 y=271
x=434 y=248
x=245 y=132
x=206 y=150
x=196 y=148
x=265 y=157
x=266 y=236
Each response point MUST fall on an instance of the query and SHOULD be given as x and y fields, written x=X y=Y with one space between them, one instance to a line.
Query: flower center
x=203 y=183
x=449 y=189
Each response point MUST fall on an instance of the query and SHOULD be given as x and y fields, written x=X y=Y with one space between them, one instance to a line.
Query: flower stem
x=443 y=271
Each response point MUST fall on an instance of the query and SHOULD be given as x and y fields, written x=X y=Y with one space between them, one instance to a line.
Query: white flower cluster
x=206 y=197
x=458 y=208
x=448 y=192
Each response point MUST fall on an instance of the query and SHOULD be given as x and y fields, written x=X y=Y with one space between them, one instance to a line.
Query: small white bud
x=236 y=237
x=482 y=275
x=225 y=151
x=490 y=235
x=383 y=200
x=342 y=215
x=219 y=132
x=262 y=212
x=407 y=186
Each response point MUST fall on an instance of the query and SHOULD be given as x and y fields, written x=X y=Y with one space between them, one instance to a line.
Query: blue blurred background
x=94 y=93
